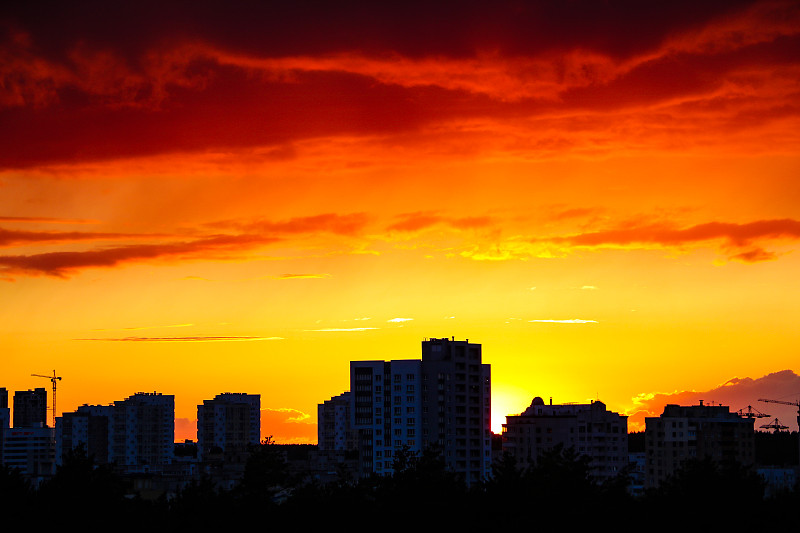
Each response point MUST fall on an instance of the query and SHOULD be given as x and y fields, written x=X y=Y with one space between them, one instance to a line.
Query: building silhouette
x=5 y=418
x=442 y=401
x=143 y=432
x=695 y=432
x=30 y=408
x=91 y=427
x=229 y=425
x=334 y=430
x=590 y=429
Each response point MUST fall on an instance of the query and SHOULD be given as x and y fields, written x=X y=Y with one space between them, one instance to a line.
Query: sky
x=201 y=197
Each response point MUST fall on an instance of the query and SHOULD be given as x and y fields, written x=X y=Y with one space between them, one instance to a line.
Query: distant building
x=143 y=432
x=228 y=425
x=30 y=408
x=334 y=430
x=697 y=431
x=30 y=450
x=590 y=429
x=442 y=401
x=91 y=427
x=5 y=418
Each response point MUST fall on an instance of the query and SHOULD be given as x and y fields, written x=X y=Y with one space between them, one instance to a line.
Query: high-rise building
x=143 y=432
x=457 y=407
x=229 y=424
x=697 y=431
x=30 y=408
x=387 y=411
x=442 y=401
x=589 y=429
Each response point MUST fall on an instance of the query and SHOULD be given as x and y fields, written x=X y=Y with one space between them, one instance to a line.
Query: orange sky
x=244 y=199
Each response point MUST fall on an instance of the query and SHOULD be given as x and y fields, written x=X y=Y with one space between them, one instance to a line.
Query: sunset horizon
x=205 y=198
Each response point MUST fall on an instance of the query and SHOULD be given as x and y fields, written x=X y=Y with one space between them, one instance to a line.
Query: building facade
x=697 y=431
x=590 y=429
x=228 y=425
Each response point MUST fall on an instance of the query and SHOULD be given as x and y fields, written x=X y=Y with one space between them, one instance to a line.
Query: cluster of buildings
x=444 y=400
x=441 y=401
x=136 y=435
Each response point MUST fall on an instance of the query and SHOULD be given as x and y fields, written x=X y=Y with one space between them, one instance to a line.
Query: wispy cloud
x=399 y=320
x=570 y=321
x=340 y=329
x=20 y=237
x=302 y=276
x=288 y=425
x=146 y=327
x=61 y=264
x=186 y=339
x=742 y=239
x=423 y=220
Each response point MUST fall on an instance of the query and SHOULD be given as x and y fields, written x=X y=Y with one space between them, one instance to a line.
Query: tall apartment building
x=143 y=432
x=229 y=424
x=590 y=429
x=697 y=431
x=334 y=430
x=30 y=408
x=441 y=401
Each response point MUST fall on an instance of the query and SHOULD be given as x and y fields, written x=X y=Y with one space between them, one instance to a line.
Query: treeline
x=558 y=492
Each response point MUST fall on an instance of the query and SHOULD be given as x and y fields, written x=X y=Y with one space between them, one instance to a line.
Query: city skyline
x=249 y=197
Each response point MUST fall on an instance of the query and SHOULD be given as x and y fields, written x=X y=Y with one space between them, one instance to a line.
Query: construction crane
x=752 y=413
x=796 y=404
x=53 y=379
x=776 y=426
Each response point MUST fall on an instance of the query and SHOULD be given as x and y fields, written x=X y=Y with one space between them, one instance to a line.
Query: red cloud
x=228 y=77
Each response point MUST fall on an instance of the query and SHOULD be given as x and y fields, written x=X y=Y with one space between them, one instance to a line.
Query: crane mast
x=53 y=379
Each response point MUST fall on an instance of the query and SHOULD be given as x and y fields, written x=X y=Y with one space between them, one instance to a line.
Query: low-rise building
x=697 y=431
x=590 y=429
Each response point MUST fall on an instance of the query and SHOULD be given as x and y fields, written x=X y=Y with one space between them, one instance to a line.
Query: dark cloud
x=619 y=28
x=661 y=234
x=16 y=237
x=98 y=80
x=61 y=264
